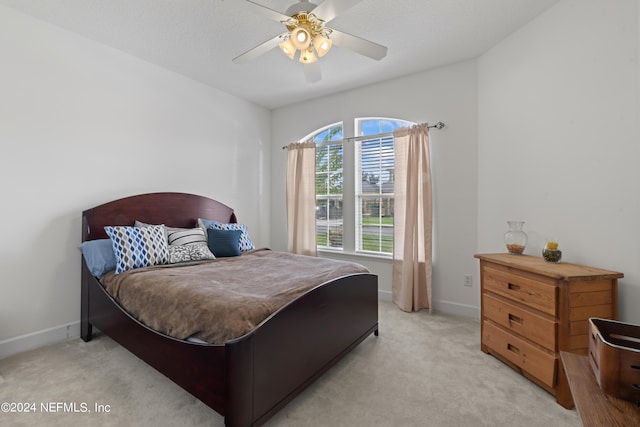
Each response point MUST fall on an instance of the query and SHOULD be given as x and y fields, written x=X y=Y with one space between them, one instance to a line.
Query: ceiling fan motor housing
x=301 y=6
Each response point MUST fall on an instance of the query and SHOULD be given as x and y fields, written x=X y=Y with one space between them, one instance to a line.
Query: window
x=369 y=206
x=374 y=185
x=329 y=187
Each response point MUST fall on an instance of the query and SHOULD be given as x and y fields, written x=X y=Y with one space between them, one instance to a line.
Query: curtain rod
x=438 y=126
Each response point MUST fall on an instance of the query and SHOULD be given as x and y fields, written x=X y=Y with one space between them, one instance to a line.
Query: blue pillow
x=245 y=240
x=224 y=243
x=99 y=256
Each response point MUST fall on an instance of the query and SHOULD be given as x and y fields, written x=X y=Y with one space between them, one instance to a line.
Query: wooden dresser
x=532 y=309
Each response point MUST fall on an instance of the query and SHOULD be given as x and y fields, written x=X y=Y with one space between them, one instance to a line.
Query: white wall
x=82 y=124
x=445 y=94
x=559 y=142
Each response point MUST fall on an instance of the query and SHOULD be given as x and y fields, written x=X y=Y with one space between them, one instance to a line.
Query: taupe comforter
x=220 y=299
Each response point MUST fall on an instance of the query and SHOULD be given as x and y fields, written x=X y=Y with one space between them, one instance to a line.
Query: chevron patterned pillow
x=137 y=247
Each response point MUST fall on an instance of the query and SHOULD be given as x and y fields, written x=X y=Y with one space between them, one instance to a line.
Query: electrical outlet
x=468 y=280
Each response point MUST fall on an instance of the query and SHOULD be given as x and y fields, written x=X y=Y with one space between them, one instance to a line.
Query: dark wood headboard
x=171 y=209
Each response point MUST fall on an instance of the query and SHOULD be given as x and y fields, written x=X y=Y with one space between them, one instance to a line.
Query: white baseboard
x=38 y=339
x=444 y=307
x=456 y=309
x=384 y=296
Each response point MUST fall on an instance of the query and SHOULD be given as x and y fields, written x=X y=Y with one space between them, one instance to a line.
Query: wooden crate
x=614 y=356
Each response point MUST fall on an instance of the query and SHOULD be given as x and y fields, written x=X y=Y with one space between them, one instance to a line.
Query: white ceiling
x=199 y=38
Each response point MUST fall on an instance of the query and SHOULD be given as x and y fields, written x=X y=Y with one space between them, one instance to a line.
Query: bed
x=249 y=378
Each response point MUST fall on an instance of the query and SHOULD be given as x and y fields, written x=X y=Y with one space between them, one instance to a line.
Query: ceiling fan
x=307 y=33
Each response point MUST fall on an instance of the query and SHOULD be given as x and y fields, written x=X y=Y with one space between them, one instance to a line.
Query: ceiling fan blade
x=363 y=47
x=329 y=9
x=258 y=50
x=312 y=72
x=270 y=13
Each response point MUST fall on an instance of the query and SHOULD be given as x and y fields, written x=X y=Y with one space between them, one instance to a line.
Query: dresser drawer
x=534 y=327
x=532 y=293
x=524 y=355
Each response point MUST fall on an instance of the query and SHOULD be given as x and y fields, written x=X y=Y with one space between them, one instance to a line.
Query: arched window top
x=375 y=125
x=332 y=132
x=364 y=126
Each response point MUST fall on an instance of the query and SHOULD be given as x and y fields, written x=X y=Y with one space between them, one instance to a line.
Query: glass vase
x=515 y=239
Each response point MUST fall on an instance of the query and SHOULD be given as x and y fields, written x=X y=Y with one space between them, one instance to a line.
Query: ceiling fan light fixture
x=306 y=32
x=322 y=45
x=307 y=56
x=288 y=48
x=300 y=38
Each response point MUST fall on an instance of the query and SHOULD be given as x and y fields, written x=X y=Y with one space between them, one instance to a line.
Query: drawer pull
x=513 y=348
x=515 y=319
x=513 y=287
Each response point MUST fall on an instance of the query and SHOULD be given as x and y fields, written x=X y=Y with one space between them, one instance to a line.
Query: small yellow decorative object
x=551 y=253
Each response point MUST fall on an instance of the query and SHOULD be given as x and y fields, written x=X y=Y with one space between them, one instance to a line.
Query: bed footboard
x=287 y=352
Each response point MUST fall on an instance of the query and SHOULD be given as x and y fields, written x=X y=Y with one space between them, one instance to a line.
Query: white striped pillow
x=185 y=236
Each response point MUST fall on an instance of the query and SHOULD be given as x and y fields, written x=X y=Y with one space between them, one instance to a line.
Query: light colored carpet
x=423 y=370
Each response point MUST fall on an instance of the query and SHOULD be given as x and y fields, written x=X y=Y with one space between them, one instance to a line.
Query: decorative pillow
x=186 y=236
x=191 y=252
x=180 y=236
x=137 y=247
x=185 y=244
x=99 y=256
x=224 y=243
x=245 y=241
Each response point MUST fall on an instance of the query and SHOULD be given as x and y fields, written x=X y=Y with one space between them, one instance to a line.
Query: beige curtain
x=301 y=198
x=411 y=287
